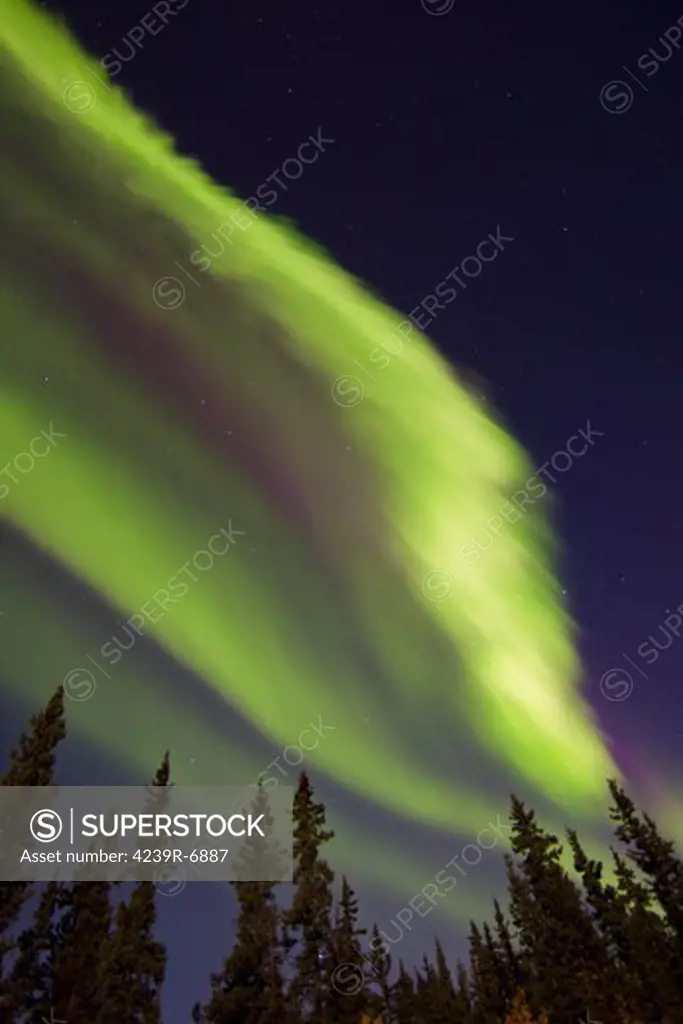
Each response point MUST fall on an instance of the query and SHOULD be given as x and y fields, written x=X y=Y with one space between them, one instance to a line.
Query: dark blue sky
x=445 y=128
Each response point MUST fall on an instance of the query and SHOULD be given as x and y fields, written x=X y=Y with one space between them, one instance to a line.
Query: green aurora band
x=181 y=421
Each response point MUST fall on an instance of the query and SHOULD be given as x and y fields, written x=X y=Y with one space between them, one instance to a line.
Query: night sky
x=449 y=125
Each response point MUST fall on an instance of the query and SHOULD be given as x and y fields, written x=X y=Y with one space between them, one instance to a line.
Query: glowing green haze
x=190 y=403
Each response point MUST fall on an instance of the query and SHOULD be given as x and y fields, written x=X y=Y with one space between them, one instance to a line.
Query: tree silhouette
x=568 y=948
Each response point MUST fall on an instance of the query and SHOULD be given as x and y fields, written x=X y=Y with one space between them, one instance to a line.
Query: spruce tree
x=31 y=763
x=509 y=958
x=654 y=950
x=425 y=978
x=630 y=929
x=308 y=919
x=651 y=948
x=653 y=855
x=345 y=1002
x=463 y=1011
x=486 y=971
x=250 y=988
x=566 y=958
x=497 y=957
x=80 y=948
x=30 y=991
x=436 y=993
x=75 y=965
x=136 y=964
x=381 y=964
x=404 y=1005
x=62 y=954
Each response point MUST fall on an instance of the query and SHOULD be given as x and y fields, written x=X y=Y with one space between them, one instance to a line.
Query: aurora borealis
x=190 y=403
